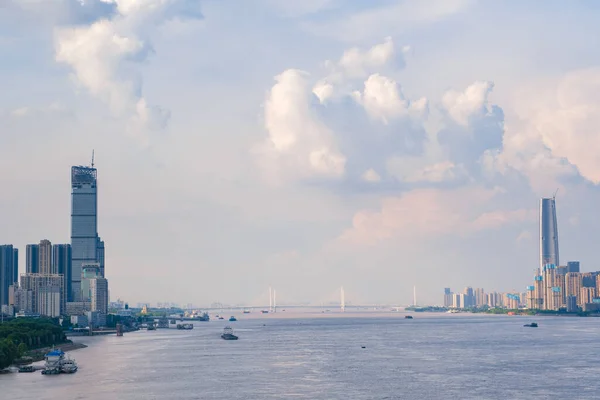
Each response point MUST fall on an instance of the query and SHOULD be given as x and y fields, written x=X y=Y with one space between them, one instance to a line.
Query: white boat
x=68 y=366
x=56 y=363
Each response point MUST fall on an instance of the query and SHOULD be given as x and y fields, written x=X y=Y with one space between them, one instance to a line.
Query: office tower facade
x=573 y=266
x=32 y=258
x=448 y=297
x=47 y=293
x=84 y=224
x=89 y=271
x=15 y=265
x=45 y=255
x=100 y=255
x=61 y=263
x=9 y=269
x=548 y=233
x=99 y=295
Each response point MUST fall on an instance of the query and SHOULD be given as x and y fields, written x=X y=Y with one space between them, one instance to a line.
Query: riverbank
x=38 y=354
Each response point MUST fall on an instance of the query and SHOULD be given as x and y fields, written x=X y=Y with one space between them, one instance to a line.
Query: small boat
x=265 y=311
x=27 y=368
x=151 y=327
x=232 y=319
x=531 y=325
x=228 y=334
x=185 y=326
x=408 y=317
x=68 y=366
x=246 y=311
x=221 y=318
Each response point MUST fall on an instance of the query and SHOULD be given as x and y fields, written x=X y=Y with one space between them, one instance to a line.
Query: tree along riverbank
x=20 y=335
x=39 y=354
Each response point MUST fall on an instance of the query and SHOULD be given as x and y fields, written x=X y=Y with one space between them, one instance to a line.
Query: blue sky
x=304 y=145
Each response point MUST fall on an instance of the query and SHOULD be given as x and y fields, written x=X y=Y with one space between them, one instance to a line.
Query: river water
x=432 y=356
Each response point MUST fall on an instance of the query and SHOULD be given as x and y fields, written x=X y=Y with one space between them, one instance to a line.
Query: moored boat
x=68 y=366
x=26 y=368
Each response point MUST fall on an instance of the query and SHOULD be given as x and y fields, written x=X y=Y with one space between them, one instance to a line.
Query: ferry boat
x=57 y=363
x=54 y=359
x=228 y=334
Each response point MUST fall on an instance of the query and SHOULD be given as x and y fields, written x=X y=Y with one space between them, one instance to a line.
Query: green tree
x=22 y=349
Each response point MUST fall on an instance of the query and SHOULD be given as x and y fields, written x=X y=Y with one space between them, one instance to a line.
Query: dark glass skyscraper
x=32 y=259
x=548 y=233
x=61 y=263
x=84 y=224
x=9 y=270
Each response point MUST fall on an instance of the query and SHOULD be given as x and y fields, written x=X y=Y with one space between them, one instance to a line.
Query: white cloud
x=571 y=128
x=382 y=98
x=431 y=212
x=396 y=18
x=298 y=142
x=371 y=175
x=473 y=101
x=415 y=169
x=357 y=63
x=104 y=54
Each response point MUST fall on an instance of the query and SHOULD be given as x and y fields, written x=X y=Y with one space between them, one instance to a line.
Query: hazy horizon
x=304 y=145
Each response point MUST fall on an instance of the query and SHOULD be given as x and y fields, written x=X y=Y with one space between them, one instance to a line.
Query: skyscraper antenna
x=92 y=158
x=554 y=197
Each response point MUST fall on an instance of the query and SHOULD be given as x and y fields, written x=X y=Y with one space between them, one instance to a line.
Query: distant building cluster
x=61 y=279
x=478 y=298
x=555 y=287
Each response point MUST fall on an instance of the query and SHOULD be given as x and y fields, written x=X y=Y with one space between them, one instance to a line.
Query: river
x=432 y=356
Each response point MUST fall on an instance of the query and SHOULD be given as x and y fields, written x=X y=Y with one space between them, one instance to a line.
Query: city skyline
x=371 y=145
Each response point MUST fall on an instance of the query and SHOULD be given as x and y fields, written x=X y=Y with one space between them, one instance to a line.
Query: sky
x=306 y=145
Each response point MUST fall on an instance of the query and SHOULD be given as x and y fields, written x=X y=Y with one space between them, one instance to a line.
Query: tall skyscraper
x=100 y=255
x=15 y=265
x=45 y=254
x=32 y=259
x=548 y=233
x=9 y=270
x=61 y=263
x=84 y=224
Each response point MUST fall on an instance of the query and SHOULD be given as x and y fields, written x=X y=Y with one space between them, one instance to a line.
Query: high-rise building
x=9 y=270
x=32 y=259
x=448 y=297
x=45 y=254
x=548 y=233
x=61 y=263
x=573 y=266
x=100 y=255
x=47 y=293
x=84 y=224
x=99 y=295
x=89 y=271
x=15 y=265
